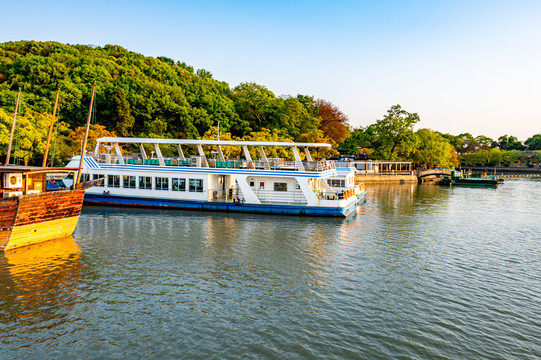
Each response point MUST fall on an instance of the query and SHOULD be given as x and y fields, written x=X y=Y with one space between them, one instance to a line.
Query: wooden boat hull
x=33 y=218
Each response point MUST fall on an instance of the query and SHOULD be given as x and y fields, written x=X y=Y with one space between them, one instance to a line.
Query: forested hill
x=137 y=95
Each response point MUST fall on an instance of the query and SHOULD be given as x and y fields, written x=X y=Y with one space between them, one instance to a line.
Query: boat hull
x=469 y=182
x=302 y=210
x=34 y=218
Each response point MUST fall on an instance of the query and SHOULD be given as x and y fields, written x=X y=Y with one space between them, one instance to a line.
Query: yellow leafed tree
x=95 y=132
x=270 y=151
x=30 y=135
x=319 y=137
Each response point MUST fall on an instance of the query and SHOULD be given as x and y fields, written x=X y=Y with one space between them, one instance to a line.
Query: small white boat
x=263 y=185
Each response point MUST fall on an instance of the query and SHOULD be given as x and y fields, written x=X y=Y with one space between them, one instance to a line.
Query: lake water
x=420 y=272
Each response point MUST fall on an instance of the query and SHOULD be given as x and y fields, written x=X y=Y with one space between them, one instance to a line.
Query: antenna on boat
x=85 y=139
x=50 y=130
x=13 y=126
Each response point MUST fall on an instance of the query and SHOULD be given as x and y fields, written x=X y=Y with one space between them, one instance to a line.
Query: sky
x=464 y=66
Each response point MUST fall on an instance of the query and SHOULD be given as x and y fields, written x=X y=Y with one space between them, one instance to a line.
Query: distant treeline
x=393 y=138
x=145 y=96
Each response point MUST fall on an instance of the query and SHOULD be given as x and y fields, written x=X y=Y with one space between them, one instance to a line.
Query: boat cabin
x=23 y=180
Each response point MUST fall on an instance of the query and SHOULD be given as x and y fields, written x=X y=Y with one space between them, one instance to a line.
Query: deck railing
x=290 y=197
x=197 y=161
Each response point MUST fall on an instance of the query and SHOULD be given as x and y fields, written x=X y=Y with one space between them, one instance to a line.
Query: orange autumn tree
x=334 y=123
x=75 y=138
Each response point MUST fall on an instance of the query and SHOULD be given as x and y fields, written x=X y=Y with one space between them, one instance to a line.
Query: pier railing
x=378 y=167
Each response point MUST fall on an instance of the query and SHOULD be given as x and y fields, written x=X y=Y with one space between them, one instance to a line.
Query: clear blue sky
x=464 y=66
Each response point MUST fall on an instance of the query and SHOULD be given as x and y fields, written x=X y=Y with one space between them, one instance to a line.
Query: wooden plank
x=38 y=217
x=49 y=206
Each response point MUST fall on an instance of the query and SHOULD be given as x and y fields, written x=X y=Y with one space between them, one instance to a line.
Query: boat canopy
x=298 y=164
x=206 y=142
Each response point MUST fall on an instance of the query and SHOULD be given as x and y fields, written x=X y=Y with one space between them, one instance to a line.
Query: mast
x=13 y=126
x=85 y=139
x=50 y=130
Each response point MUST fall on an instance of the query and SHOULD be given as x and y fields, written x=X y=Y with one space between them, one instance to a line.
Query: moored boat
x=29 y=212
x=264 y=185
x=458 y=178
x=33 y=206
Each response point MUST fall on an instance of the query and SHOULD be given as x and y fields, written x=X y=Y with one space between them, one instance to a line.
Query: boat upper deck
x=200 y=159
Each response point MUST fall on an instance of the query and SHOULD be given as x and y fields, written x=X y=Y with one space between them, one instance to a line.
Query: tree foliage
x=29 y=136
x=508 y=142
x=534 y=143
x=434 y=150
x=145 y=96
x=391 y=138
x=334 y=123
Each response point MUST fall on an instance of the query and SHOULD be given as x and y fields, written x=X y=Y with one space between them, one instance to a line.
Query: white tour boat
x=263 y=185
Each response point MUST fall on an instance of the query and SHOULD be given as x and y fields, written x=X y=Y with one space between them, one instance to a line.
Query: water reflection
x=234 y=247
x=37 y=283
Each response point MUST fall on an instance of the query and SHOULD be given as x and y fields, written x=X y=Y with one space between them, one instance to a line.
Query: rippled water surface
x=420 y=272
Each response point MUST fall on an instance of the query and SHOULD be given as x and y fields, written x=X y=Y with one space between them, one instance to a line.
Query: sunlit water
x=420 y=272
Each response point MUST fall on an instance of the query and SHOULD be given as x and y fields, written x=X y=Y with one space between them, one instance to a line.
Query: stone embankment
x=384 y=178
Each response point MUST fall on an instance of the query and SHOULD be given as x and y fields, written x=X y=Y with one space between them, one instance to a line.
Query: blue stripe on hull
x=112 y=200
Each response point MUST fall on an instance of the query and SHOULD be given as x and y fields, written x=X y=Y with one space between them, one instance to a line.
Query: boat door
x=221 y=181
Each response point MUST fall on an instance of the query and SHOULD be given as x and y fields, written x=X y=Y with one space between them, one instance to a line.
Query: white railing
x=196 y=161
x=280 y=197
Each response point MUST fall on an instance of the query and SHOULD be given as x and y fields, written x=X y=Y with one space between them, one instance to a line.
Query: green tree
x=391 y=138
x=256 y=107
x=30 y=136
x=358 y=139
x=534 y=143
x=295 y=118
x=484 y=142
x=122 y=118
x=508 y=142
x=434 y=150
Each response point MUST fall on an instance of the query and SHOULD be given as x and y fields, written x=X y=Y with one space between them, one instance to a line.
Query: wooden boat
x=29 y=213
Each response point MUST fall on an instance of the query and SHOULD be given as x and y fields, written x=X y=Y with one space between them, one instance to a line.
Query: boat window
x=336 y=182
x=162 y=183
x=280 y=186
x=99 y=176
x=85 y=177
x=196 y=185
x=252 y=183
x=145 y=182
x=179 y=184
x=129 y=182
x=113 y=181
